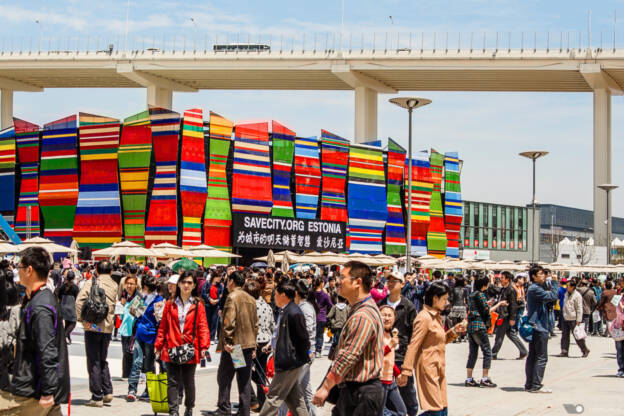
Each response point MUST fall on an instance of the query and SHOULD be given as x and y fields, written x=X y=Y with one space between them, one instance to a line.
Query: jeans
x=142 y=361
x=619 y=351
x=392 y=397
x=212 y=316
x=320 y=333
x=586 y=323
x=551 y=322
x=408 y=394
x=511 y=333
x=443 y=412
x=476 y=340
x=126 y=359
x=568 y=326
x=180 y=377
x=536 y=361
x=96 y=346
x=225 y=375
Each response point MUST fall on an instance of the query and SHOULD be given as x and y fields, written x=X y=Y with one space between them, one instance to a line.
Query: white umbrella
x=207 y=251
x=7 y=247
x=170 y=251
x=49 y=245
x=124 y=248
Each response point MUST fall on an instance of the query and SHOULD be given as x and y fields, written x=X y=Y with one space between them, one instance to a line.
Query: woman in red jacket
x=179 y=326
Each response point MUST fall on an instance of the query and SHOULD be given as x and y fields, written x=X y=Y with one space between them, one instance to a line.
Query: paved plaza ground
x=590 y=383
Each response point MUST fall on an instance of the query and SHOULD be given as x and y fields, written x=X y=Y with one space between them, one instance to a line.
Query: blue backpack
x=526 y=326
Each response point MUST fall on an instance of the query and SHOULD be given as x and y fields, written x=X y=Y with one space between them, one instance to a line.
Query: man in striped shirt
x=357 y=366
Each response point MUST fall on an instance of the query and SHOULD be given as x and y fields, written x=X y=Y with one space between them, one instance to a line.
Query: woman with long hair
x=183 y=326
x=324 y=306
x=211 y=294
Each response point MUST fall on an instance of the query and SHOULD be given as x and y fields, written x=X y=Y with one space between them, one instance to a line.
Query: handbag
x=156 y=384
x=184 y=353
x=526 y=326
x=616 y=333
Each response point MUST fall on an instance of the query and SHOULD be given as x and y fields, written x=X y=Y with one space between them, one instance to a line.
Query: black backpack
x=95 y=308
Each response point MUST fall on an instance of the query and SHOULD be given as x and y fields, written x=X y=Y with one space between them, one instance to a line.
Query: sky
x=487 y=129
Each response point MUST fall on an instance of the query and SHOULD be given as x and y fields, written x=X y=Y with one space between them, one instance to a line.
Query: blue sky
x=487 y=129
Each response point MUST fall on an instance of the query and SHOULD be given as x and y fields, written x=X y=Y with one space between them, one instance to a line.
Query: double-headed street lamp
x=409 y=103
x=608 y=187
x=534 y=155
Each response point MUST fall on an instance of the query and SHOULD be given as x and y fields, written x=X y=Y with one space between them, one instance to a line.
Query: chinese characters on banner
x=258 y=231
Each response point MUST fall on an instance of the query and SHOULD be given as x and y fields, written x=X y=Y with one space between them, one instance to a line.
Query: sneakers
x=94 y=403
x=107 y=398
x=542 y=390
x=131 y=397
x=486 y=382
x=144 y=397
x=471 y=383
x=585 y=354
x=318 y=355
x=620 y=374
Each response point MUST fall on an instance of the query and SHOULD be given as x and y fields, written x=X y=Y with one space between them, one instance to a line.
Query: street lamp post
x=608 y=187
x=533 y=155
x=409 y=103
x=194 y=34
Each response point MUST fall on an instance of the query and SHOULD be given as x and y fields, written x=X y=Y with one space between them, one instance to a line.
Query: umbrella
x=170 y=251
x=258 y=264
x=124 y=248
x=49 y=245
x=285 y=261
x=207 y=251
x=74 y=255
x=7 y=247
x=186 y=264
x=270 y=259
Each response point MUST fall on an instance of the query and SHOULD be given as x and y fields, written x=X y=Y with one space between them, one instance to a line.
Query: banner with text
x=258 y=231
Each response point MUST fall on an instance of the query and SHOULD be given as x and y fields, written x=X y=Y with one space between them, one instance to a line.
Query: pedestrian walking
x=392 y=402
x=183 y=339
x=479 y=321
x=572 y=317
x=211 y=293
x=97 y=335
x=540 y=293
x=589 y=302
x=240 y=330
x=426 y=353
x=40 y=382
x=358 y=363
x=507 y=318
x=325 y=304
x=291 y=352
x=126 y=329
x=404 y=320
x=67 y=294
x=458 y=298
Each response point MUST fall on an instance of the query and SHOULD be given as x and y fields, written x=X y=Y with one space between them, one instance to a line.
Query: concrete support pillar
x=6 y=108
x=602 y=162
x=159 y=97
x=365 y=114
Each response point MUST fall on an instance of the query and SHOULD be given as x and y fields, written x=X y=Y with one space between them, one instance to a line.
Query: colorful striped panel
x=192 y=177
x=98 y=214
x=422 y=186
x=307 y=176
x=135 y=153
x=436 y=234
x=58 y=182
x=334 y=163
x=283 y=153
x=27 y=141
x=367 y=204
x=162 y=218
x=251 y=182
x=218 y=213
x=453 y=206
x=395 y=228
x=7 y=173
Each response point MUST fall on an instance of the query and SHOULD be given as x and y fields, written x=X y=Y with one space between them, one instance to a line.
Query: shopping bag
x=579 y=332
x=157 y=390
x=616 y=333
x=596 y=316
x=493 y=319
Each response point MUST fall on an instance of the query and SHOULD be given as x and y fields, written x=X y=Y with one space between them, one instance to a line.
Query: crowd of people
x=388 y=332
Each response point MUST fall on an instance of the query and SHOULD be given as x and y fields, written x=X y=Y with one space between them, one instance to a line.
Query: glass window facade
x=494 y=227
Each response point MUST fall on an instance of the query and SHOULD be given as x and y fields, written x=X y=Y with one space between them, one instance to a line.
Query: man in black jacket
x=405 y=315
x=291 y=351
x=507 y=316
x=41 y=369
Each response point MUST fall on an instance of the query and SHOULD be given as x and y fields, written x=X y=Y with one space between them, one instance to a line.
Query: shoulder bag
x=184 y=353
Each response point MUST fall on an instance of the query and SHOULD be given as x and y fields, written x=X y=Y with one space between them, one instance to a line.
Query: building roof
x=573 y=219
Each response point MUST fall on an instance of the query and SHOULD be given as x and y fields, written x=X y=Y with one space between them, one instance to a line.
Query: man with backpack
x=95 y=308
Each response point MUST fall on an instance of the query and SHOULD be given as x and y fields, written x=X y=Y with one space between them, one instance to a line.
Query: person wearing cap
x=405 y=316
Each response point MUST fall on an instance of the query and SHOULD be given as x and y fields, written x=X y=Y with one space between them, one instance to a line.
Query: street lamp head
x=533 y=154
x=607 y=187
x=410 y=103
